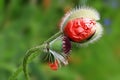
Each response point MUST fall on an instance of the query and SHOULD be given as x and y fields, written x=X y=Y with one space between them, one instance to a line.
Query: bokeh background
x=27 y=23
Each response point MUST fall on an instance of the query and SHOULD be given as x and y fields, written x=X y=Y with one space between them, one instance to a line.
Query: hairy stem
x=27 y=59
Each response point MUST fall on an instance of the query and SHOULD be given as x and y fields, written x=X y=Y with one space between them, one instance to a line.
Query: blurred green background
x=27 y=23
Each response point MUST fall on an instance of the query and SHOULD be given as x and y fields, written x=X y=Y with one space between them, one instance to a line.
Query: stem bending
x=30 y=52
x=26 y=58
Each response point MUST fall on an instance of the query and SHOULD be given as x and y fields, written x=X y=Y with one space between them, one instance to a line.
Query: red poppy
x=80 y=29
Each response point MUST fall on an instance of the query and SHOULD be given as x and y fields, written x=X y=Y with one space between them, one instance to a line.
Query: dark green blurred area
x=27 y=23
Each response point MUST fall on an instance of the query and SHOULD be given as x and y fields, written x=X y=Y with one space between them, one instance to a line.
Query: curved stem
x=25 y=62
x=26 y=58
x=30 y=52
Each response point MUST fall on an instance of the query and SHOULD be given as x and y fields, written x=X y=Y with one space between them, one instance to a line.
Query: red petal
x=80 y=29
x=54 y=66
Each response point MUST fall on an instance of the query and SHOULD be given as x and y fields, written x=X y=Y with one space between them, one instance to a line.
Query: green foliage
x=26 y=23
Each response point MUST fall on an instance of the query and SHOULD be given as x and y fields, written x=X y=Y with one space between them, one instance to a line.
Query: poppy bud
x=81 y=26
x=80 y=29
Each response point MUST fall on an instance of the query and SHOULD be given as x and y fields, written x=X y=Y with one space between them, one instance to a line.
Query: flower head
x=81 y=26
x=80 y=29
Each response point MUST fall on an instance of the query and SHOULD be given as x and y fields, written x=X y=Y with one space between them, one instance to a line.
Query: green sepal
x=57 y=45
x=46 y=57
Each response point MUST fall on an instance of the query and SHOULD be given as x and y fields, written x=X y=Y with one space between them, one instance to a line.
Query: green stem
x=26 y=58
x=53 y=37
x=30 y=52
